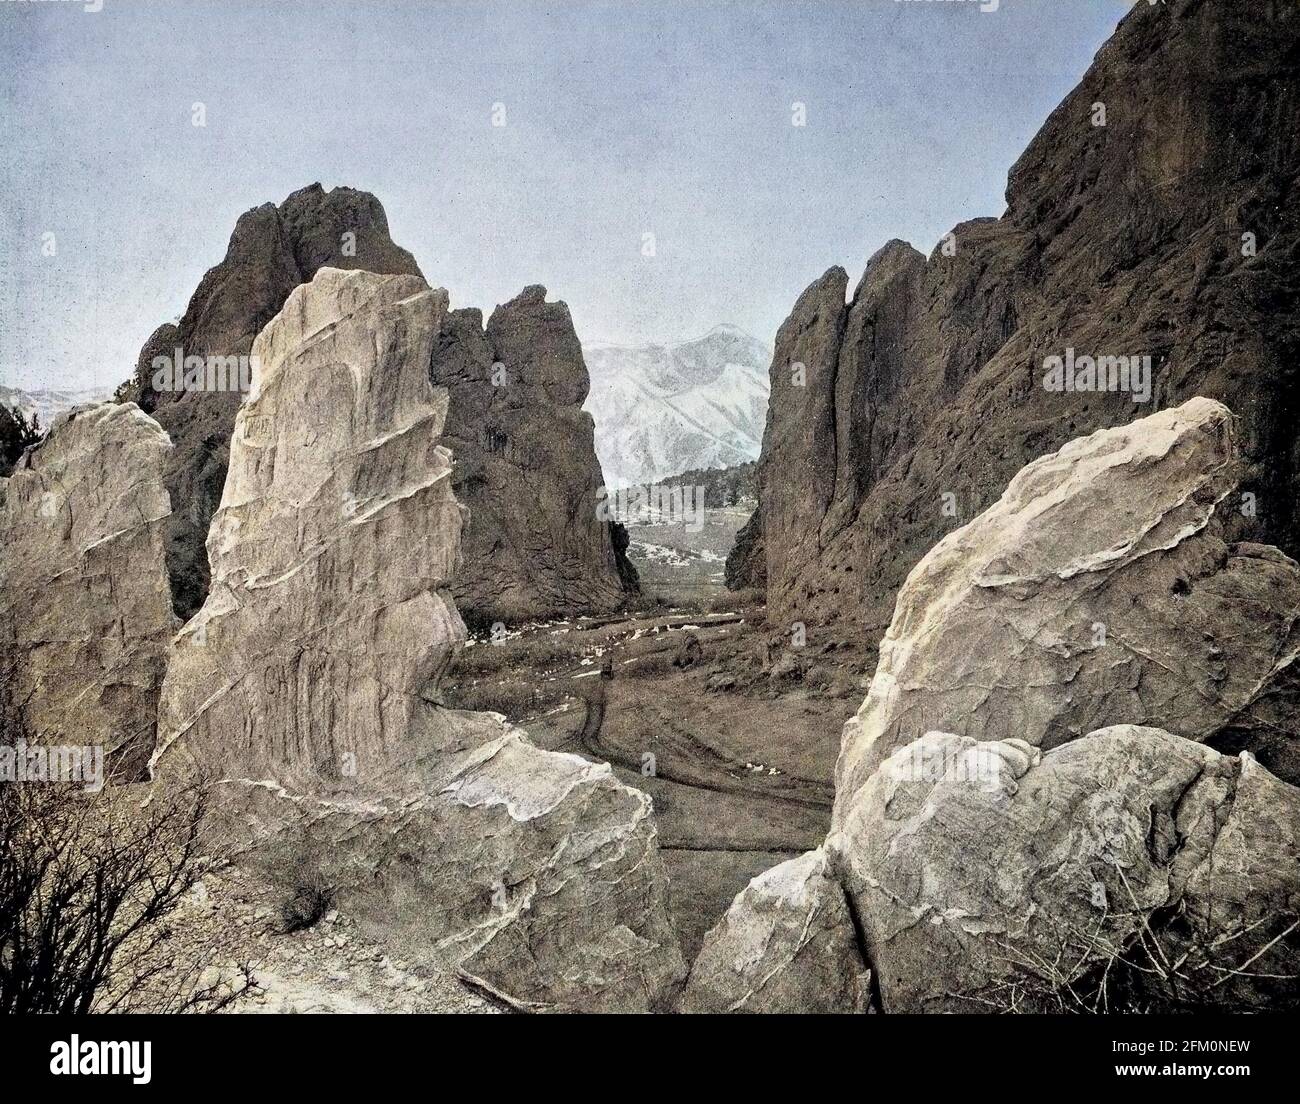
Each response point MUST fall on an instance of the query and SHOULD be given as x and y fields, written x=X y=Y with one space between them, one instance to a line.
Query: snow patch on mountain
x=663 y=409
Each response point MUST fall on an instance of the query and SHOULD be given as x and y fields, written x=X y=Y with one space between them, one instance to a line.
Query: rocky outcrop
x=1169 y=233
x=1100 y=589
x=272 y=251
x=85 y=613
x=525 y=465
x=524 y=451
x=332 y=549
x=746 y=564
x=1037 y=775
x=786 y=944
x=306 y=685
x=1124 y=869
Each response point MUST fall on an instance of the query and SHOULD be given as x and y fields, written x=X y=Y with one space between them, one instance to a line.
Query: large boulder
x=1169 y=232
x=272 y=250
x=85 y=613
x=306 y=685
x=1100 y=589
x=534 y=874
x=786 y=944
x=1125 y=870
x=525 y=465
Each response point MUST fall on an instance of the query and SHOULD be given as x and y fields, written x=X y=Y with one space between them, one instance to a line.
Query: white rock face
x=85 y=616
x=332 y=548
x=1098 y=590
x=305 y=685
x=1021 y=886
x=786 y=944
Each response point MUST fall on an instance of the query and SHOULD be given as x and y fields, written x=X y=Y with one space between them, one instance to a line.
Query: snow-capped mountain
x=48 y=404
x=662 y=409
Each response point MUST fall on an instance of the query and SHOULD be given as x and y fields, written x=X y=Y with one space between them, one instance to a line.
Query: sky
x=670 y=118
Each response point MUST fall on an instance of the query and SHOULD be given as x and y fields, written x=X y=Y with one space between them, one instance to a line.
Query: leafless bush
x=1168 y=964
x=90 y=883
x=307 y=905
x=88 y=889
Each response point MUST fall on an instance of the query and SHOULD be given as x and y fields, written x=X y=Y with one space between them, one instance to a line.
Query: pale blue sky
x=671 y=118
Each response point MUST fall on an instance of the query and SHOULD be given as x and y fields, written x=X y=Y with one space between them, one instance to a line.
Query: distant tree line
x=722 y=486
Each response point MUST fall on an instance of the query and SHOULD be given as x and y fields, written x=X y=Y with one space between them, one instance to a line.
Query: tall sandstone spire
x=525 y=462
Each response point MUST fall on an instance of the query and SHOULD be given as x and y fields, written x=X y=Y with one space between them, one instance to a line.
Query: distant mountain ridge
x=664 y=409
x=48 y=403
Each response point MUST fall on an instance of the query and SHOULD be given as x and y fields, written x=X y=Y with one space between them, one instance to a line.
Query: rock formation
x=1153 y=215
x=1000 y=797
x=786 y=945
x=1100 y=589
x=525 y=465
x=272 y=250
x=987 y=878
x=306 y=684
x=524 y=455
x=85 y=613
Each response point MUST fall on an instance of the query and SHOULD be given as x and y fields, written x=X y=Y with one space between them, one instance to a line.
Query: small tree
x=17 y=433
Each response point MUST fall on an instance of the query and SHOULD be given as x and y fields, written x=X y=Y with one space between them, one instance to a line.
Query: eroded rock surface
x=272 y=250
x=1169 y=232
x=1100 y=589
x=525 y=465
x=786 y=944
x=535 y=873
x=1029 y=811
x=306 y=683
x=331 y=551
x=85 y=613
x=990 y=876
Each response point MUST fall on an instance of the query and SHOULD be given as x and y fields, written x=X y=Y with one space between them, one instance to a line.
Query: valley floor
x=734 y=736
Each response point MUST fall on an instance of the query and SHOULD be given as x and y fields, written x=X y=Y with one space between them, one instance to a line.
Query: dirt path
x=741 y=775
